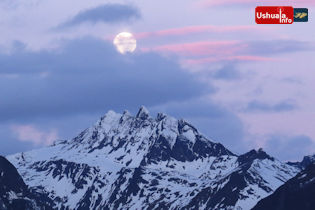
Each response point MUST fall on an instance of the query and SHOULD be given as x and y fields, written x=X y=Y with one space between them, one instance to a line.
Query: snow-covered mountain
x=297 y=193
x=141 y=162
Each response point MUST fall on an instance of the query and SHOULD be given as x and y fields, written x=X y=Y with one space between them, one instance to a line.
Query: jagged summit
x=143 y=113
x=160 y=116
x=151 y=140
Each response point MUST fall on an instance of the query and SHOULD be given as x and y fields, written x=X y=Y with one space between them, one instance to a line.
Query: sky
x=208 y=62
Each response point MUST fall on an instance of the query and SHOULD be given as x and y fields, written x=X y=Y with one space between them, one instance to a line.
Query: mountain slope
x=14 y=194
x=140 y=162
x=297 y=193
x=255 y=177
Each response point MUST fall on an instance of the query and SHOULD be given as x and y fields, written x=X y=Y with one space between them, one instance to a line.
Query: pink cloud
x=304 y=3
x=204 y=48
x=199 y=61
x=250 y=58
x=210 y=52
x=29 y=133
x=199 y=29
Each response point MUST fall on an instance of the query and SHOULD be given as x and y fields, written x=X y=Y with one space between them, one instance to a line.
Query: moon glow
x=125 y=43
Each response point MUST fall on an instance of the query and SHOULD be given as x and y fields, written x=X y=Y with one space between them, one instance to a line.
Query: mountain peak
x=161 y=139
x=254 y=154
x=143 y=113
x=261 y=154
x=307 y=160
x=110 y=115
x=126 y=112
x=160 y=116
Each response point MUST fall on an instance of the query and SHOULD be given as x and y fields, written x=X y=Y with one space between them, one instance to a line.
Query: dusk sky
x=241 y=84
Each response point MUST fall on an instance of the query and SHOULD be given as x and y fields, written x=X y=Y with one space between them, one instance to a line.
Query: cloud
x=89 y=76
x=48 y=128
x=283 y=106
x=9 y=143
x=204 y=52
x=227 y=72
x=108 y=13
x=290 y=147
x=201 y=48
x=222 y=58
x=199 y=29
x=29 y=133
x=278 y=46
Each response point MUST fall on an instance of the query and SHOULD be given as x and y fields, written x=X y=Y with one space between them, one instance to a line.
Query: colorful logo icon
x=300 y=15
x=274 y=15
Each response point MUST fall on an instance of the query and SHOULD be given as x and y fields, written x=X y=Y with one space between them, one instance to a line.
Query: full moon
x=125 y=43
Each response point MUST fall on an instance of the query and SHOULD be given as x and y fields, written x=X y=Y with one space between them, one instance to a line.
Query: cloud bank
x=88 y=75
x=108 y=13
